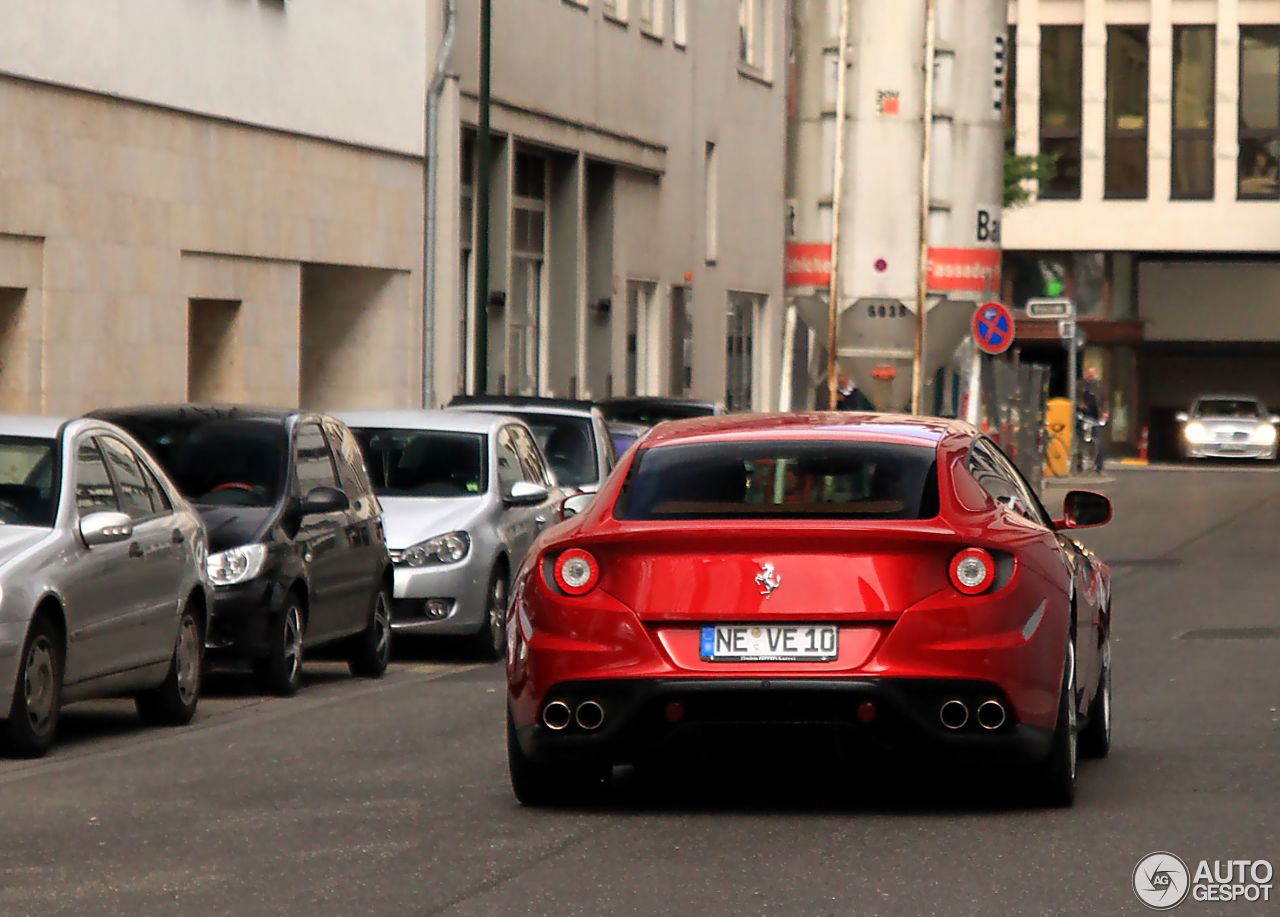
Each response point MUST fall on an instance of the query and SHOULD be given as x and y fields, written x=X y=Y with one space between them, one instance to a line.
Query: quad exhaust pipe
x=590 y=715
x=954 y=714
x=557 y=715
x=991 y=715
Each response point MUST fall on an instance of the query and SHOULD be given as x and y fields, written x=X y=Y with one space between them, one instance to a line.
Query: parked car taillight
x=576 y=572
x=973 y=570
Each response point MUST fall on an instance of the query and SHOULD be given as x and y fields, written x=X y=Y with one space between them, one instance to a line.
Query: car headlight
x=1196 y=433
x=238 y=565
x=443 y=549
x=1264 y=434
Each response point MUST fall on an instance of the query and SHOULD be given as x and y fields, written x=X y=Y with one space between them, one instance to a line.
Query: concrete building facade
x=1162 y=219
x=636 y=224
x=223 y=200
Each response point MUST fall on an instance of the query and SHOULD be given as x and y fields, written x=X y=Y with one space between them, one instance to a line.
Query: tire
x=1053 y=781
x=37 y=692
x=537 y=784
x=280 y=672
x=174 y=702
x=371 y=649
x=1095 y=738
x=490 y=641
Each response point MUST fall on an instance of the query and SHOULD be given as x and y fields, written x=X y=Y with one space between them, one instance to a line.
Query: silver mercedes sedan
x=102 y=579
x=463 y=497
x=1229 y=426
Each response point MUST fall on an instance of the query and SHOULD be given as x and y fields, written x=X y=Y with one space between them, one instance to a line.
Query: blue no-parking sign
x=992 y=327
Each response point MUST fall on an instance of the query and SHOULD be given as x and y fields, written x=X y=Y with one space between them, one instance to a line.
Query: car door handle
x=135 y=549
x=178 y=537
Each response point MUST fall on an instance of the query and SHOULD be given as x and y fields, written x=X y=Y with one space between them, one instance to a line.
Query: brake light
x=576 y=571
x=973 y=570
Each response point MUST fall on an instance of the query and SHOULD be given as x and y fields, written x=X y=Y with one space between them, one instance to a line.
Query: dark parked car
x=297 y=556
x=650 y=410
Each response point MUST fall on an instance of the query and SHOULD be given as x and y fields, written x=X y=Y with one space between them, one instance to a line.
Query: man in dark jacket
x=849 y=397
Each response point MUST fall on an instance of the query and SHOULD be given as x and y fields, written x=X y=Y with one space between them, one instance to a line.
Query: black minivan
x=297 y=556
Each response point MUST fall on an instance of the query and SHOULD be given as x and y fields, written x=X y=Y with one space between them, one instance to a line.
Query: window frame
x=652 y=25
x=1187 y=134
x=106 y=442
x=91 y=440
x=294 y=459
x=1258 y=134
x=1111 y=132
x=615 y=11
x=1043 y=133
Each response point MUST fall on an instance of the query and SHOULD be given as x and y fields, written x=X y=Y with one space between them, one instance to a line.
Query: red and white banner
x=808 y=264
x=972 y=270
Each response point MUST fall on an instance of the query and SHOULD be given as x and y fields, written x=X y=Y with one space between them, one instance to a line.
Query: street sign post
x=1057 y=307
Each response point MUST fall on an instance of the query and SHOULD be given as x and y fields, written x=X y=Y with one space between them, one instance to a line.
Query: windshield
x=1243 y=408
x=27 y=495
x=424 y=463
x=782 y=480
x=623 y=439
x=568 y=445
x=217 y=460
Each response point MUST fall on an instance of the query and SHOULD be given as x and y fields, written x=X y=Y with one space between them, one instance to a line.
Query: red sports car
x=893 y=576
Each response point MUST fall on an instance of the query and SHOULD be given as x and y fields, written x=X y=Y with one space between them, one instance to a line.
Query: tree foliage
x=1020 y=169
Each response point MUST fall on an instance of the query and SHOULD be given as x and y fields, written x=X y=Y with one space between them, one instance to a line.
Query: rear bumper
x=642 y=716
x=12 y=636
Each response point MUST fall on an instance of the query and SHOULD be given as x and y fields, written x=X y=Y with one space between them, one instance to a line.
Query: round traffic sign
x=992 y=327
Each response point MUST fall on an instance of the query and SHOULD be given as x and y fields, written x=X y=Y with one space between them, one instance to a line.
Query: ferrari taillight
x=973 y=571
x=576 y=571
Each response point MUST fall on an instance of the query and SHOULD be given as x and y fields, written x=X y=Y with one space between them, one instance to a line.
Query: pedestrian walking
x=850 y=397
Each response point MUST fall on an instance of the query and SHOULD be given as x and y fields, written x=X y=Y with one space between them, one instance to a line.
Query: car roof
x=656 y=401
x=34 y=425
x=193 y=411
x=452 y=421
x=813 y=425
x=1254 y=398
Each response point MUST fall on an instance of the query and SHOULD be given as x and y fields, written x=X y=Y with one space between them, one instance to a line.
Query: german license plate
x=770 y=643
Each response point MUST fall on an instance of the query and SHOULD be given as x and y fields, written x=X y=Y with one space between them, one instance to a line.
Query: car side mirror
x=105 y=528
x=526 y=493
x=1182 y=417
x=322 y=499
x=571 y=506
x=1082 y=509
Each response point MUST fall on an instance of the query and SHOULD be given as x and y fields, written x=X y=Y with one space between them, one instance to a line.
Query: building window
x=1259 y=110
x=614 y=9
x=1127 y=69
x=680 y=22
x=1010 y=92
x=740 y=351
x=1193 y=88
x=649 y=13
x=711 y=183
x=753 y=29
x=528 y=253
x=1060 y=87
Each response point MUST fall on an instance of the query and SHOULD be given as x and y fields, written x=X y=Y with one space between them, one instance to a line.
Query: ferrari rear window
x=782 y=480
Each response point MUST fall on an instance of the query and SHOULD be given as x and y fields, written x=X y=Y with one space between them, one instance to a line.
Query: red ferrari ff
x=891 y=576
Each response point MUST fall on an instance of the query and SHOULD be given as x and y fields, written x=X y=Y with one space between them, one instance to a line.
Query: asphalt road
x=390 y=797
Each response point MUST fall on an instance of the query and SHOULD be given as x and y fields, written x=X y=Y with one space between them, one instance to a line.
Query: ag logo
x=1161 y=881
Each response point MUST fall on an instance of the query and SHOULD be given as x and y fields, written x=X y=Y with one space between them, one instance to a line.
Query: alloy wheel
x=498 y=614
x=38 y=685
x=187 y=661
x=382 y=628
x=292 y=642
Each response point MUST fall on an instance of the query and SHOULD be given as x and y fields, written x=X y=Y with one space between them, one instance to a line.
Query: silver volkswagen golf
x=102 y=582
x=463 y=497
